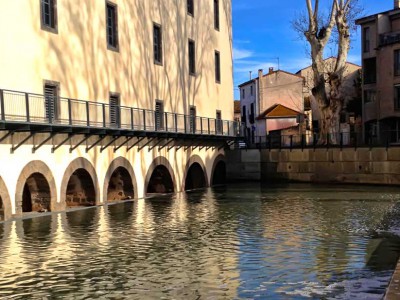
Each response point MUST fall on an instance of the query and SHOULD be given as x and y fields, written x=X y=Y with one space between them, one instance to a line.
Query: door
x=50 y=100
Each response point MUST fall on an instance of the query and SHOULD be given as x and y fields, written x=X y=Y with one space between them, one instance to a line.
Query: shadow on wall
x=78 y=57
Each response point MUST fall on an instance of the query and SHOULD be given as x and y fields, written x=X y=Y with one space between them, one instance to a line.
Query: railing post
x=87 y=114
x=176 y=123
x=69 y=111
x=314 y=140
x=28 y=118
x=184 y=122
x=216 y=126
x=341 y=140
x=291 y=142
x=209 y=131
x=302 y=142
x=144 y=120
x=229 y=130
x=3 y=114
x=327 y=140
x=103 y=108
x=166 y=121
x=201 y=125
x=132 y=126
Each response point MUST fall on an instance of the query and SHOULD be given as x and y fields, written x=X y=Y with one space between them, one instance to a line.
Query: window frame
x=192 y=60
x=217 y=67
x=190 y=8
x=216 y=15
x=158 y=61
x=366 y=39
x=43 y=25
x=114 y=6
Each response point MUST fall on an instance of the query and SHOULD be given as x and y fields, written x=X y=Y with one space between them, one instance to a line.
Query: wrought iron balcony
x=24 y=111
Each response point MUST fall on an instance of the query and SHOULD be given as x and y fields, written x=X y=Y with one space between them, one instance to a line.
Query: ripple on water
x=245 y=241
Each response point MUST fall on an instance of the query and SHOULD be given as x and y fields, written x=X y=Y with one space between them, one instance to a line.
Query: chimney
x=271 y=70
x=396 y=4
x=260 y=73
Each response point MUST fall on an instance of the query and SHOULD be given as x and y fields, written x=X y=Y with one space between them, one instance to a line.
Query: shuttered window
x=114 y=111
x=218 y=124
x=218 y=67
x=159 y=113
x=50 y=102
x=192 y=58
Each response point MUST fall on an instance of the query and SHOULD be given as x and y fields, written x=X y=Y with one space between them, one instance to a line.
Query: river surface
x=238 y=242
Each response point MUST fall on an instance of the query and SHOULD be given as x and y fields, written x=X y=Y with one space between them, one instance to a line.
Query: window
x=243 y=93
x=112 y=25
x=192 y=119
x=48 y=10
x=115 y=119
x=218 y=123
x=51 y=94
x=396 y=62
x=192 y=58
x=366 y=43
x=216 y=14
x=370 y=70
x=217 y=67
x=157 y=37
x=397 y=97
x=251 y=116
x=251 y=90
x=190 y=7
x=159 y=113
x=244 y=116
x=369 y=96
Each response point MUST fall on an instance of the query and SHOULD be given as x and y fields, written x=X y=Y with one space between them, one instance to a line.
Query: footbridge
x=58 y=153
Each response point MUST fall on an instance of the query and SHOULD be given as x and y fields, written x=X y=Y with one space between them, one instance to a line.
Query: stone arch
x=218 y=171
x=5 y=202
x=112 y=174
x=36 y=189
x=160 y=164
x=195 y=165
x=80 y=183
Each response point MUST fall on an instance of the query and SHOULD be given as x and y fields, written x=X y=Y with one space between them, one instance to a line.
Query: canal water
x=238 y=242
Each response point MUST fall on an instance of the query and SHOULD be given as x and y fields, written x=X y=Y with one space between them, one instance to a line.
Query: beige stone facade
x=141 y=54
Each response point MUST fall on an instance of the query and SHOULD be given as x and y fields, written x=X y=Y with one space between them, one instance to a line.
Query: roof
x=278 y=111
x=236 y=106
x=372 y=18
x=268 y=74
x=331 y=57
x=285 y=128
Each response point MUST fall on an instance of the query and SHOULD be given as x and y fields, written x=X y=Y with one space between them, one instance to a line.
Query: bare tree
x=319 y=31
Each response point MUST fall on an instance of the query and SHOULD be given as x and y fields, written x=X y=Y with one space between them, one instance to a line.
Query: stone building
x=381 y=75
x=110 y=100
x=261 y=95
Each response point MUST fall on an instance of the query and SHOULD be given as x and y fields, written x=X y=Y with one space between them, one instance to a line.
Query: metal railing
x=21 y=107
x=339 y=140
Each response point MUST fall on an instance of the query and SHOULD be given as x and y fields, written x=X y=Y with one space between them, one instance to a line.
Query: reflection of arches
x=160 y=177
x=79 y=186
x=120 y=181
x=195 y=174
x=5 y=202
x=218 y=173
x=36 y=189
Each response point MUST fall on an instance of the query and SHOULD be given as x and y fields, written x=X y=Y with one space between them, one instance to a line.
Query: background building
x=381 y=75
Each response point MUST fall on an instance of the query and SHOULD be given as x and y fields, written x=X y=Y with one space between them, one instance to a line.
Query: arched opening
x=195 y=178
x=120 y=186
x=219 y=176
x=36 y=196
x=80 y=189
x=2 y=214
x=160 y=181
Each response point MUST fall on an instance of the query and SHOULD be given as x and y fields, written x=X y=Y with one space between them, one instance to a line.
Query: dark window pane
x=190 y=7
x=217 y=67
x=192 y=58
x=157 y=38
x=216 y=14
x=370 y=70
x=112 y=39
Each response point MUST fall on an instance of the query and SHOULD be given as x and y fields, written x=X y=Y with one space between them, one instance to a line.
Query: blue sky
x=262 y=32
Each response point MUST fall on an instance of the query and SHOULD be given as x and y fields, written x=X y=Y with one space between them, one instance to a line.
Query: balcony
x=389 y=38
x=20 y=111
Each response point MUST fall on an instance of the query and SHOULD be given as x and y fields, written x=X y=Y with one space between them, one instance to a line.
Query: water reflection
x=244 y=241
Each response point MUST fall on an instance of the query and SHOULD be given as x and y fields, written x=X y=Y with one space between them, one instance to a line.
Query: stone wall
x=360 y=166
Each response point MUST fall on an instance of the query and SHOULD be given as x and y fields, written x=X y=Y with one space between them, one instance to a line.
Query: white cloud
x=241 y=53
